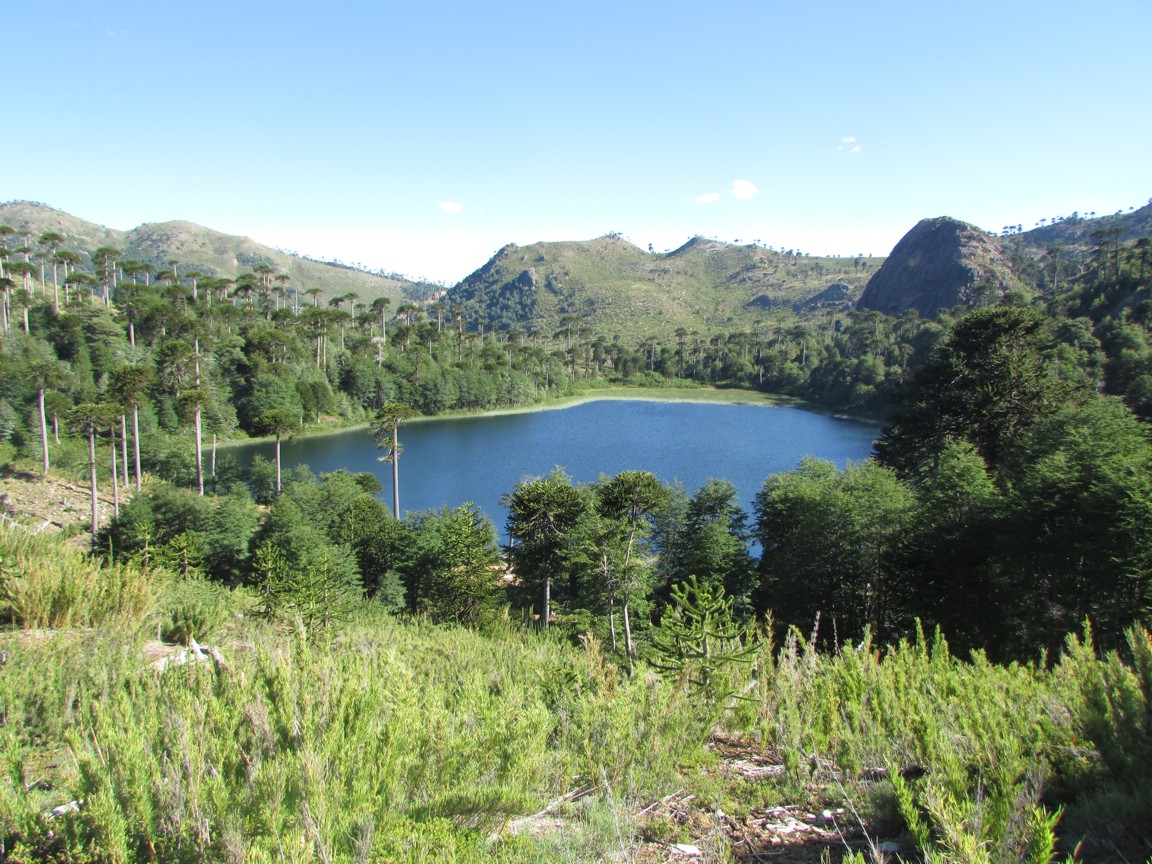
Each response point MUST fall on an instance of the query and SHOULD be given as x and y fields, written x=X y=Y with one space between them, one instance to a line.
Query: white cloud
x=744 y=189
x=451 y=207
x=708 y=198
x=849 y=143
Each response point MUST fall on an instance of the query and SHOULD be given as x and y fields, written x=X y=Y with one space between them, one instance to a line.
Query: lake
x=450 y=461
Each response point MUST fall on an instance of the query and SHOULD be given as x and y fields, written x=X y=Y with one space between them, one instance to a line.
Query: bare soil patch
x=50 y=505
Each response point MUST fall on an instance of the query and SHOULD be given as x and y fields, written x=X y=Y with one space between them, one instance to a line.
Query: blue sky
x=420 y=137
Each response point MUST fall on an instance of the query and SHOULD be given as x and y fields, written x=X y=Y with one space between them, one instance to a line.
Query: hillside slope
x=703 y=285
x=210 y=252
x=1077 y=230
x=943 y=262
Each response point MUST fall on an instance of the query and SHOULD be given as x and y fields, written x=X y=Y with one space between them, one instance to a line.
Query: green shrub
x=193 y=608
x=46 y=584
x=407 y=741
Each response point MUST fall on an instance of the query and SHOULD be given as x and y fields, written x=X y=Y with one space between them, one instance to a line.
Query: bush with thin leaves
x=193 y=608
x=322 y=750
x=45 y=584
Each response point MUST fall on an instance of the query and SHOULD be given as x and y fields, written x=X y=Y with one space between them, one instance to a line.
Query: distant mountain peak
x=942 y=262
x=698 y=242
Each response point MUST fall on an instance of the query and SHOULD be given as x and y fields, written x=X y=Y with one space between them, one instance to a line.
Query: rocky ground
x=50 y=505
x=790 y=833
x=682 y=827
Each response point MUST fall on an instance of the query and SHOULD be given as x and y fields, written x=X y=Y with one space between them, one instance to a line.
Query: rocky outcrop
x=939 y=264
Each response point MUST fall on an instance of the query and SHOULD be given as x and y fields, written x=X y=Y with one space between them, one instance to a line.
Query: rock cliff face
x=940 y=263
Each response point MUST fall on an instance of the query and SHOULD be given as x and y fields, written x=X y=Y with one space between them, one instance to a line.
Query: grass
x=312 y=751
x=715 y=395
x=44 y=584
x=397 y=740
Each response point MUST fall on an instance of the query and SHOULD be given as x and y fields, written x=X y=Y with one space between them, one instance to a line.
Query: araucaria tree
x=129 y=384
x=833 y=543
x=44 y=375
x=541 y=512
x=987 y=383
x=278 y=422
x=88 y=418
x=451 y=566
x=386 y=431
x=632 y=498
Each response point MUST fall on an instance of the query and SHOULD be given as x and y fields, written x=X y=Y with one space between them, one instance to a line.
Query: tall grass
x=324 y=751
x=393 y=740
x=976 y=761
x=46 y=584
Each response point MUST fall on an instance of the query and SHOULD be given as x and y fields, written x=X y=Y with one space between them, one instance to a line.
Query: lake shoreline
x=698 y=395
x=689 y=440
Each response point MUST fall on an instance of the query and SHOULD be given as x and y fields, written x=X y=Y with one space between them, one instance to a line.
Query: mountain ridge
x=704 y=285
x=211 y=252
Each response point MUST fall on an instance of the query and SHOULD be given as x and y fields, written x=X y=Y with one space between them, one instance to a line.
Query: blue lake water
x=446 y=462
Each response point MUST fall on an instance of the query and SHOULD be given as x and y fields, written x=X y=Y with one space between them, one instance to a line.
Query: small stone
x=889 y=847
x=70 y=807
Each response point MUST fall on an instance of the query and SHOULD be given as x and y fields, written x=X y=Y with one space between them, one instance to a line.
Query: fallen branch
x=574 y=795
x=662 y=801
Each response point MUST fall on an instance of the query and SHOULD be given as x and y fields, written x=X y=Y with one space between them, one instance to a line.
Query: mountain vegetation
x=387 y=688
x=623 y=291
x=203 y=251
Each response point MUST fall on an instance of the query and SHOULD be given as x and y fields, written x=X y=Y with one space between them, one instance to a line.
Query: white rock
x=70 y=807
x=828 y=817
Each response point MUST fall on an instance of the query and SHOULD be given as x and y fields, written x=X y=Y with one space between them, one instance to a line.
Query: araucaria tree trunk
x=43 y=433
x=92 y=480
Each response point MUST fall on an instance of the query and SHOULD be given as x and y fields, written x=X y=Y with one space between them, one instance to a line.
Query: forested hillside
x=622 y=291
x=1008 y=511
x=96 y=351
x=151 y=249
